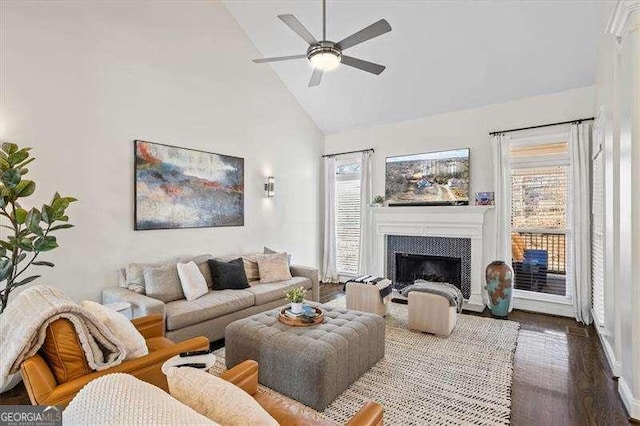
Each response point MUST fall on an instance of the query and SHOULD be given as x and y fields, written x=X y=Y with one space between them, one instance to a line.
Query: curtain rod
x=348 y=152
x=543 y=125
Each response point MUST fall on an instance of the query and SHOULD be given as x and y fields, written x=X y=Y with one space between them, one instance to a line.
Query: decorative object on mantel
x=270 y=187
x=30 y=230
x=430 y=179
x=185 y=188
x=378 y=200
x=499 y=286
x=485 y=198
x=296 y=297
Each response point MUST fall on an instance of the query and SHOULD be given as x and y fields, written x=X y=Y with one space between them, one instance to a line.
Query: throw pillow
x=251 y=268
x=203 y=265
x=121 y=328
x=135 y=278
x=228 y=275
x=267 y=250
x=162 y=282
x=192 y=280
x=273 y=267
x=216 y=399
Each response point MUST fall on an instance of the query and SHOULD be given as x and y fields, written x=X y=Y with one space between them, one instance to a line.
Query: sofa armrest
x=149 y=326
x=369 y=415
x=141 y=305
x=312 y=274
x=43 y=389
x=244 y=375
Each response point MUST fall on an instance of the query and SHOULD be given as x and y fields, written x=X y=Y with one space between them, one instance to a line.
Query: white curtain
x=329 y=270
x=580 y=262
x=366 y=231
x=502 y=188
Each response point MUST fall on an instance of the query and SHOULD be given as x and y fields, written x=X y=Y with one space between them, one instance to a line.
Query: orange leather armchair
x=42 y=373
x=245 y=376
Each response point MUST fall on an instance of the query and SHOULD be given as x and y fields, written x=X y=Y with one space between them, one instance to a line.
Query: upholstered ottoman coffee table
x=313 y=364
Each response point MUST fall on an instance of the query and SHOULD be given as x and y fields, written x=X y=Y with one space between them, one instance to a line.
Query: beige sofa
x=210 y=314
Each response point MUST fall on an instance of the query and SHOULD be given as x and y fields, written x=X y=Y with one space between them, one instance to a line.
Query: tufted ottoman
x=313 y=364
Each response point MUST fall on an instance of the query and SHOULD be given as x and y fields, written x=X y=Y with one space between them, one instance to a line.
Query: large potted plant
x=26 y=232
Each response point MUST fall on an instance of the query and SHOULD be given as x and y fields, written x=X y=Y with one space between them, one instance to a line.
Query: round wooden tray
x=302 y=321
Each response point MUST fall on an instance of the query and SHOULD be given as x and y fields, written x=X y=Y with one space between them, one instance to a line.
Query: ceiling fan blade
x=373 y=30
x=279 y=58
x=367 y=66
x=316 y=77
x=293 y=23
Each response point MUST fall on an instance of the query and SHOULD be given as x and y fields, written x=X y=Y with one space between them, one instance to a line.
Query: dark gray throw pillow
x=228 y=275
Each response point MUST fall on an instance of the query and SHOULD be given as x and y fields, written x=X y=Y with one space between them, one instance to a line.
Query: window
x=347 y=215
x=540 y=177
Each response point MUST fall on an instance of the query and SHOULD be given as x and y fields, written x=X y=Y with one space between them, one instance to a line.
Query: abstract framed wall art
x=186 y=188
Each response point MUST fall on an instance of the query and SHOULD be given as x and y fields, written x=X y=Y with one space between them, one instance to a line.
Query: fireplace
x=411 y=267
x=439 y=258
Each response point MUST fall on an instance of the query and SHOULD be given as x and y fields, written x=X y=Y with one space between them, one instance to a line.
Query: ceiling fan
x=326 y=55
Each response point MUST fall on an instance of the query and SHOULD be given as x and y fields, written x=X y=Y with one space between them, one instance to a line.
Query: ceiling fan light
x=325 y=61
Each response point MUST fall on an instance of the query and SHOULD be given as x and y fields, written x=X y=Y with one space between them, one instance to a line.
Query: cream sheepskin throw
x=24 y=322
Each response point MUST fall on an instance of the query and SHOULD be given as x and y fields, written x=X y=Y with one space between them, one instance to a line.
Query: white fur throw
x=24 y=322
x=121 y=399
x=216 y=398
x=121 y=327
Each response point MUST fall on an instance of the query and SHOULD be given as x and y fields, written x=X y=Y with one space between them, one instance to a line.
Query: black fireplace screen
x=410 y=267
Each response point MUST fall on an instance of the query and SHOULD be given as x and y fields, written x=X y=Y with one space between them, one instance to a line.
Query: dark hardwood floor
x=560 y=377
x=560 y=373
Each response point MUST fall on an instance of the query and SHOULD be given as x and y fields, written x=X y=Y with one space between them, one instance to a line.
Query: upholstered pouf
x=431 y=313
x=366 y=297
x=313 y=364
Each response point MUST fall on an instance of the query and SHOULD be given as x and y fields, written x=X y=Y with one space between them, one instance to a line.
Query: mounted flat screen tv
x=430 y=179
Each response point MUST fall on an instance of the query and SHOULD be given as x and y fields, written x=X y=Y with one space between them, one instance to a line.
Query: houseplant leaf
x=26 y=280
x=43 y=263
x=11 y=178
x=45 y=243
x=25 y=188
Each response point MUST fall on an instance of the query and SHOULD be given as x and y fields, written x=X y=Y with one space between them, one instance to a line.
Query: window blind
x=597 y=240
x=539 y=227
x=347 y=217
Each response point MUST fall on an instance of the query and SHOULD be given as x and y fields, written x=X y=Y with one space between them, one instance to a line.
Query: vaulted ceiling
x=440 y=56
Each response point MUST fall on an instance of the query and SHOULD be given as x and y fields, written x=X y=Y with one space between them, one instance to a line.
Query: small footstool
x=313 y=364
x=431 y=313
x=366 y=297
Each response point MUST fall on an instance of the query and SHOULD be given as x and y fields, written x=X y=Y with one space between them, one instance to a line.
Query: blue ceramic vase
x=499 y=276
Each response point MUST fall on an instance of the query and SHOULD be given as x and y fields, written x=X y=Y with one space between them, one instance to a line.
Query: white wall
x=79 y=82
x=617 y=89
x=463 y=129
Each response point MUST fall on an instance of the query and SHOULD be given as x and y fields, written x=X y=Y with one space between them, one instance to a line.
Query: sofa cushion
x=162 y=282
x=273 y=268
x=266 y=293
x=134 y=272
x=228 y=275
x=183 y=313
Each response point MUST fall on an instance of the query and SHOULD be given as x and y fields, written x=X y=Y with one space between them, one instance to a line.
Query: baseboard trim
x=631 y=404
x=558 y=309
x=614 y=364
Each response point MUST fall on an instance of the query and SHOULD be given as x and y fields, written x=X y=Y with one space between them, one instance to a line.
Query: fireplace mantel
x=435 y=221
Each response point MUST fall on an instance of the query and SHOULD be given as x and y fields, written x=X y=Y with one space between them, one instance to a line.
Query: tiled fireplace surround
x=452 y=231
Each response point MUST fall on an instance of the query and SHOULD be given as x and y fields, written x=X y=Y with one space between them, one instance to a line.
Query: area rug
x=429 y=380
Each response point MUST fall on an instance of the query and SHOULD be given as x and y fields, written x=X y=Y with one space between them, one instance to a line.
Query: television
x=429 y=179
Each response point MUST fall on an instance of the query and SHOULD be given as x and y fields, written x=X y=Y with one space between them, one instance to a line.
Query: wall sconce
x=270 y=187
